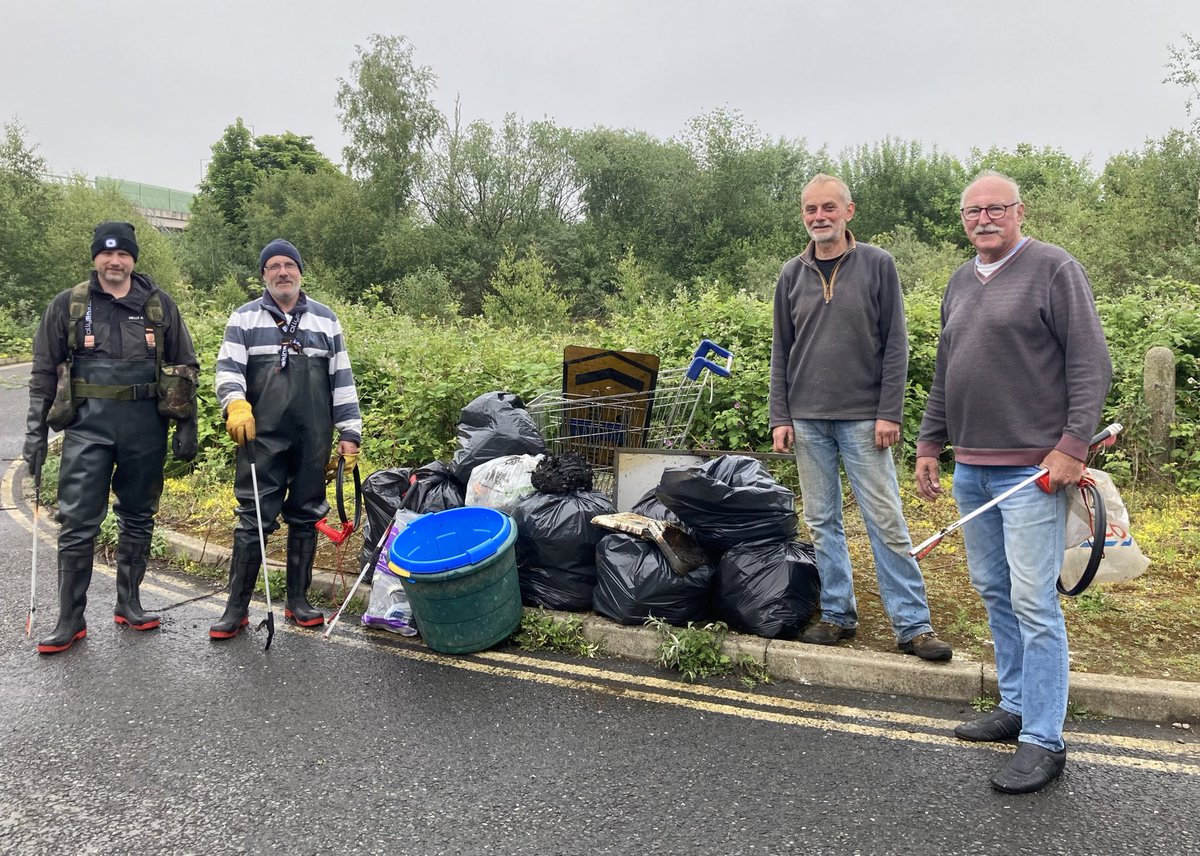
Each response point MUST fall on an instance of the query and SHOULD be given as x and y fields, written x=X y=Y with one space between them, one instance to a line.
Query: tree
x=231 y=174
x=324 y=214
x=895 y=182
x=489 y=187
x=28 y=207
x=240 y=162
x=386 y=111
x=218 y=241
x=46 y=230
x=637 y=192
x=746 y=201
x=501 y=184
x=525 y=293
x=1184 y=70
x=1151 y=216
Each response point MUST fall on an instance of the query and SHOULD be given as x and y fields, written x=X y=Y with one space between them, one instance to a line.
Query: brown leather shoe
x=927 y=646
x=824 y=633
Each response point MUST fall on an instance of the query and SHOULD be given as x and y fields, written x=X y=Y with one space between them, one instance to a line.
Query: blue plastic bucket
x=449 y=539
x=459 y=569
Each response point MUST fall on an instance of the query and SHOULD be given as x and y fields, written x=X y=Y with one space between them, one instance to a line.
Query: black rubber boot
x=243 y=574
x=131 y=570
x=301 y=551
x=74 y=577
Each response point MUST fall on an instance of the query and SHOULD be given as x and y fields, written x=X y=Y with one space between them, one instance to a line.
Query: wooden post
x=1158 y=384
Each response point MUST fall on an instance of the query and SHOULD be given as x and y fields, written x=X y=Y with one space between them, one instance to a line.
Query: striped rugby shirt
x=253 y=330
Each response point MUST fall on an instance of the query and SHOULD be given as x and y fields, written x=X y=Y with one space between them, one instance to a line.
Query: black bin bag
x=431 y=489
x=649 y=506
x=492 y=426
x=556 y=548
x=382 y=492
x=768 y=588
x=634 y=581
x=728 y=501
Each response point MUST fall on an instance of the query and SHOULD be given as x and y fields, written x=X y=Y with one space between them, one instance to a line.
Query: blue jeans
x=1015 y=552
x=872 y=475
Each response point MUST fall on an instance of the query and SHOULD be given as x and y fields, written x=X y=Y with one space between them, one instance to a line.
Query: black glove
x=184 y=445
x=35 y=434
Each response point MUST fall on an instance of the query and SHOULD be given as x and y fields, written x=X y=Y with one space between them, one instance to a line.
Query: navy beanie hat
x=279 y=247
x=114 y=235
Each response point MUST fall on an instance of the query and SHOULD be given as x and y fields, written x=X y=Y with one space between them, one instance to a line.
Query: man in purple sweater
x=1022 y=374
x=839 y=359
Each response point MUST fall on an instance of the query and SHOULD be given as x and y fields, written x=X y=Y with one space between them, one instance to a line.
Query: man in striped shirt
x=284 y=383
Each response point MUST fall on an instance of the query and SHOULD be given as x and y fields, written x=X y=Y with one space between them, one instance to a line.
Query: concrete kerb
x=960 y=680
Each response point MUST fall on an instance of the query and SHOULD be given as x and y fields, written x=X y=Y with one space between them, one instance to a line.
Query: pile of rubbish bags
x=754 y=574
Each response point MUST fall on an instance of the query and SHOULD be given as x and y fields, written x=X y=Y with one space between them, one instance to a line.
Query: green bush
x=525 y=294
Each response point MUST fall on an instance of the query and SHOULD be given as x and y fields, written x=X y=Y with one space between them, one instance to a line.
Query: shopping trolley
x=596 y=426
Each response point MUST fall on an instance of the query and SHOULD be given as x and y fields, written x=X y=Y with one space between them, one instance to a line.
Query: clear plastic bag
x=502 y=483
x=1123 y=559
x=388 y=607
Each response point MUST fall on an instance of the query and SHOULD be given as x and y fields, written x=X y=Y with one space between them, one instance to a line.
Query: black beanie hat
x=114 y=235
x=279 y=247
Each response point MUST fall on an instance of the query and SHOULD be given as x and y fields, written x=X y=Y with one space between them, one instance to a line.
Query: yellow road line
x=1116 y=741
x=777 y=717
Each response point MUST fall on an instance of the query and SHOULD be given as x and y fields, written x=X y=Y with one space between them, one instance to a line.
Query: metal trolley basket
x=660 y=418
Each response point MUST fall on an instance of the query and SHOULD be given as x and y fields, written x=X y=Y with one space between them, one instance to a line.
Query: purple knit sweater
x=1022 y=365
x=845 y=358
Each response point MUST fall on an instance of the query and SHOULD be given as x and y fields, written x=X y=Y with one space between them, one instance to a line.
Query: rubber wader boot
x=74 y=576
x=131 y=570
x=301 y=551
x=243 y=574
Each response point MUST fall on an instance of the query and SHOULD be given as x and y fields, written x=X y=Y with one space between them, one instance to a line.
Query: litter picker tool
x=370 y=563
x=269 y=621
x=1105 y=438
x=37 y=507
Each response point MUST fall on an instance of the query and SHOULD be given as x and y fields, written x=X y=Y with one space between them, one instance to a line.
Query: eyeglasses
x=290 y=267
x=994 y=212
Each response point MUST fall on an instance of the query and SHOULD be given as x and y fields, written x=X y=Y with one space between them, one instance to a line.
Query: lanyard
x=89 y=332
x=89 y=335
x=289 y=342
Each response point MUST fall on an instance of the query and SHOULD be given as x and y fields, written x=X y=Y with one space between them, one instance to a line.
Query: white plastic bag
x=502 y=483
x=1123 y=559
x=388 y=607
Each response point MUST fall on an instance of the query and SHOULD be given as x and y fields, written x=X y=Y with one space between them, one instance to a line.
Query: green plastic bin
x=471 y=607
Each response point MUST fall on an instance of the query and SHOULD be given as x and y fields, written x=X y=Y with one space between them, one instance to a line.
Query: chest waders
x=293 y=425
x=117 y=438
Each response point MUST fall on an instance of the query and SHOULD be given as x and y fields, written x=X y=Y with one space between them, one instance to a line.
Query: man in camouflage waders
x=113 y=363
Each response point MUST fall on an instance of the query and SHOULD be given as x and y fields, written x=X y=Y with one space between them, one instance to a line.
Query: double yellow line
x=1112 y=750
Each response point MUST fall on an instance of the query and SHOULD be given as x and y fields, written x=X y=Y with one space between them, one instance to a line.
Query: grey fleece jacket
x=1022 y=365
x=845 y=357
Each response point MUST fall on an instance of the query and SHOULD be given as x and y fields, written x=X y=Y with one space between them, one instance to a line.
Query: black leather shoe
x=1000 y=724
x=927 y=646
x=1030 y=769
x=824 y=633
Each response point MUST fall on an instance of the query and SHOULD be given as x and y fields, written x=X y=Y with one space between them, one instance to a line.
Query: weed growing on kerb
x=695 y=652
x=541 y=631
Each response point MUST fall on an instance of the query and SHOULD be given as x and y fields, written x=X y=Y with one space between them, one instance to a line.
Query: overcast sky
x=140 y=89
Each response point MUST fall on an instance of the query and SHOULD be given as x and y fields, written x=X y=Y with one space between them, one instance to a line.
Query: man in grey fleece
x=1022 y=374
x=839 y=360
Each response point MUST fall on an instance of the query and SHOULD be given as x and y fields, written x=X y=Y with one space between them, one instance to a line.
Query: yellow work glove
x=239 y=421
x=331 y=467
